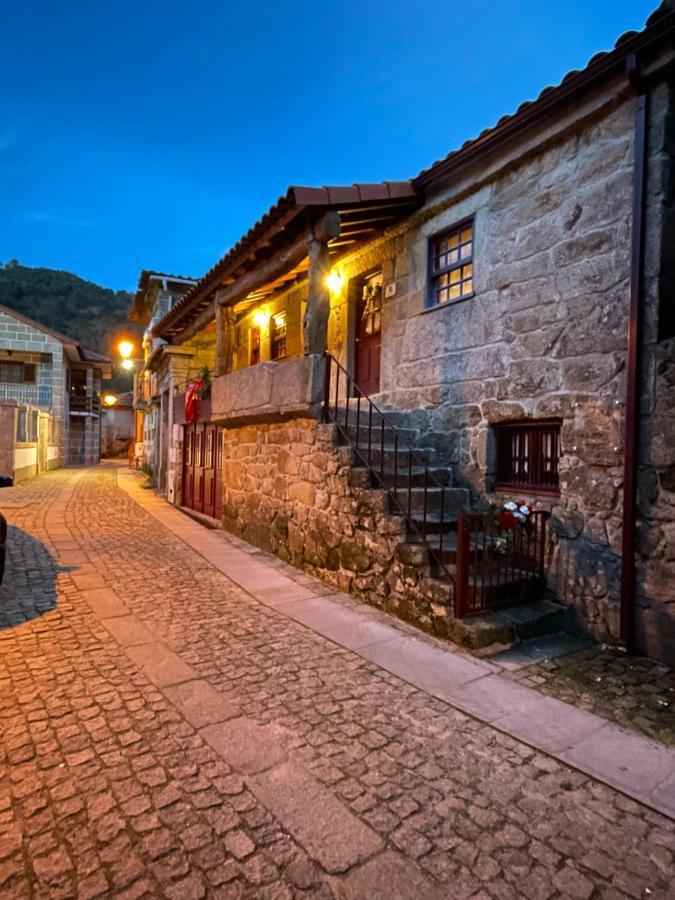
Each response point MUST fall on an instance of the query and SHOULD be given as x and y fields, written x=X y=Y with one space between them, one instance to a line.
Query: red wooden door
x=368 y=334
x=218 y=477
x=209 y=470
x=198 y=494
x=188 y=465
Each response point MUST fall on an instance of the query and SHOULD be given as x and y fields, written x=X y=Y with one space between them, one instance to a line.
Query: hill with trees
x=94 y=315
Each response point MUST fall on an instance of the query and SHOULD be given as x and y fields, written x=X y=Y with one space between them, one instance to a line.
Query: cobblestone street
x=261 y=760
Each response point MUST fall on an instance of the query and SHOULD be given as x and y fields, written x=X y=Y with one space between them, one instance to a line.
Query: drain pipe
x=631 y=452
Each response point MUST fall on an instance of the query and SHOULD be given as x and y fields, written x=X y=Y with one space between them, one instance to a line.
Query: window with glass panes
x=17 y=372
x=278 y=348
x=451 y=265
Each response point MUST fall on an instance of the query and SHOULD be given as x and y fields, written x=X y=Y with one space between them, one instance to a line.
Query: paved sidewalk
x=632 y=763
x=634 y=692
x=166 y=734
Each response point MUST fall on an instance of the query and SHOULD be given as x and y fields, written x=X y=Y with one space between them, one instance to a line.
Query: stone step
x=452 y=500
x=492 y=633
x=406 y=436
x=535 y=619
x=433 y=526
x=399 y=458
x=415 y=476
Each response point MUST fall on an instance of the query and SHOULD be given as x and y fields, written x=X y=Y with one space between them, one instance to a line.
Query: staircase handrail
x=343 y=428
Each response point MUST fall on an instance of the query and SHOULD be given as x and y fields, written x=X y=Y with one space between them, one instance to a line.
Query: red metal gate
x=203 y=469
x=209 y=497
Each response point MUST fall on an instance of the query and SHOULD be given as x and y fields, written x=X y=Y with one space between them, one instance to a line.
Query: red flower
x=506 y=520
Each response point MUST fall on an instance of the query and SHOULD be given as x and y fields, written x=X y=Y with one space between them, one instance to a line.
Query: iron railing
x=89 y=403
x=485 y=573
x=496 y=568
x=391 y=460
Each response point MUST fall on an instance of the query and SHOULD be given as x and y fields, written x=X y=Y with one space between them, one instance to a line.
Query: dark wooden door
x=209 y=508
x=188 y=465
x=198 y=494
x=368 y=334
x=218 y=476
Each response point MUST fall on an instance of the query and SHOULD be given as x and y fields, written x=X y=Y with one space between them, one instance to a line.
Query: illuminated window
x=278 y=344
x=451 y=265
x=528 y=455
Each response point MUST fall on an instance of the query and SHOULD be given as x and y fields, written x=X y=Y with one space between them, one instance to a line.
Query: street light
x=110 y=399
x=125 y=349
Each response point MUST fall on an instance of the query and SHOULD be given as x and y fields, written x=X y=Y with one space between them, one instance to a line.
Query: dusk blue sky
x=152 y=135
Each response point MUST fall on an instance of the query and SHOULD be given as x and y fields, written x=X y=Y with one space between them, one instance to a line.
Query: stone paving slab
x=162 y=666
x=286 y=593
x=328 y=831
x=428 y=667
x=346 y=627
x=557 y=727
x=627 y=761
x=248 y=747
x=105 y=602
x=129 y=631
x=492 y=698
x=390 y=876
x=89 y=581
x=200 y=703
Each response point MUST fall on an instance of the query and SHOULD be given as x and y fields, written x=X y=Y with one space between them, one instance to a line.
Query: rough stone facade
x=543 y=337
x=289 y=489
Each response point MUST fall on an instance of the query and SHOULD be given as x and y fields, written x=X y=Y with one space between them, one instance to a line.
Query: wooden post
x=225 y=337
x=315 y=320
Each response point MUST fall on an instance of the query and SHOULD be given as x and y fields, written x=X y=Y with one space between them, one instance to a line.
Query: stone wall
x=288 y=489
x=544 y=337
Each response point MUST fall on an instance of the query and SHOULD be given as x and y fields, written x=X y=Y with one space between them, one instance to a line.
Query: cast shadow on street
x=28 y=590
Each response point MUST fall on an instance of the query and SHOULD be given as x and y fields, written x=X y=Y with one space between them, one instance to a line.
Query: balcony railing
x=30 y=394
x=87 y=403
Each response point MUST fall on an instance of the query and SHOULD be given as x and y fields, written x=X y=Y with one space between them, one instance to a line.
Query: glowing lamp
x=334 y=281
x=261 y=317
x=110 y=399
x=127 y=364
x=125 y=349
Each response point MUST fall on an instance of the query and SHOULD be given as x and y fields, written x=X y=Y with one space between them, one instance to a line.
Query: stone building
x=163 y=370
x=509 y=313
x=49 y=398
x=117 y=424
